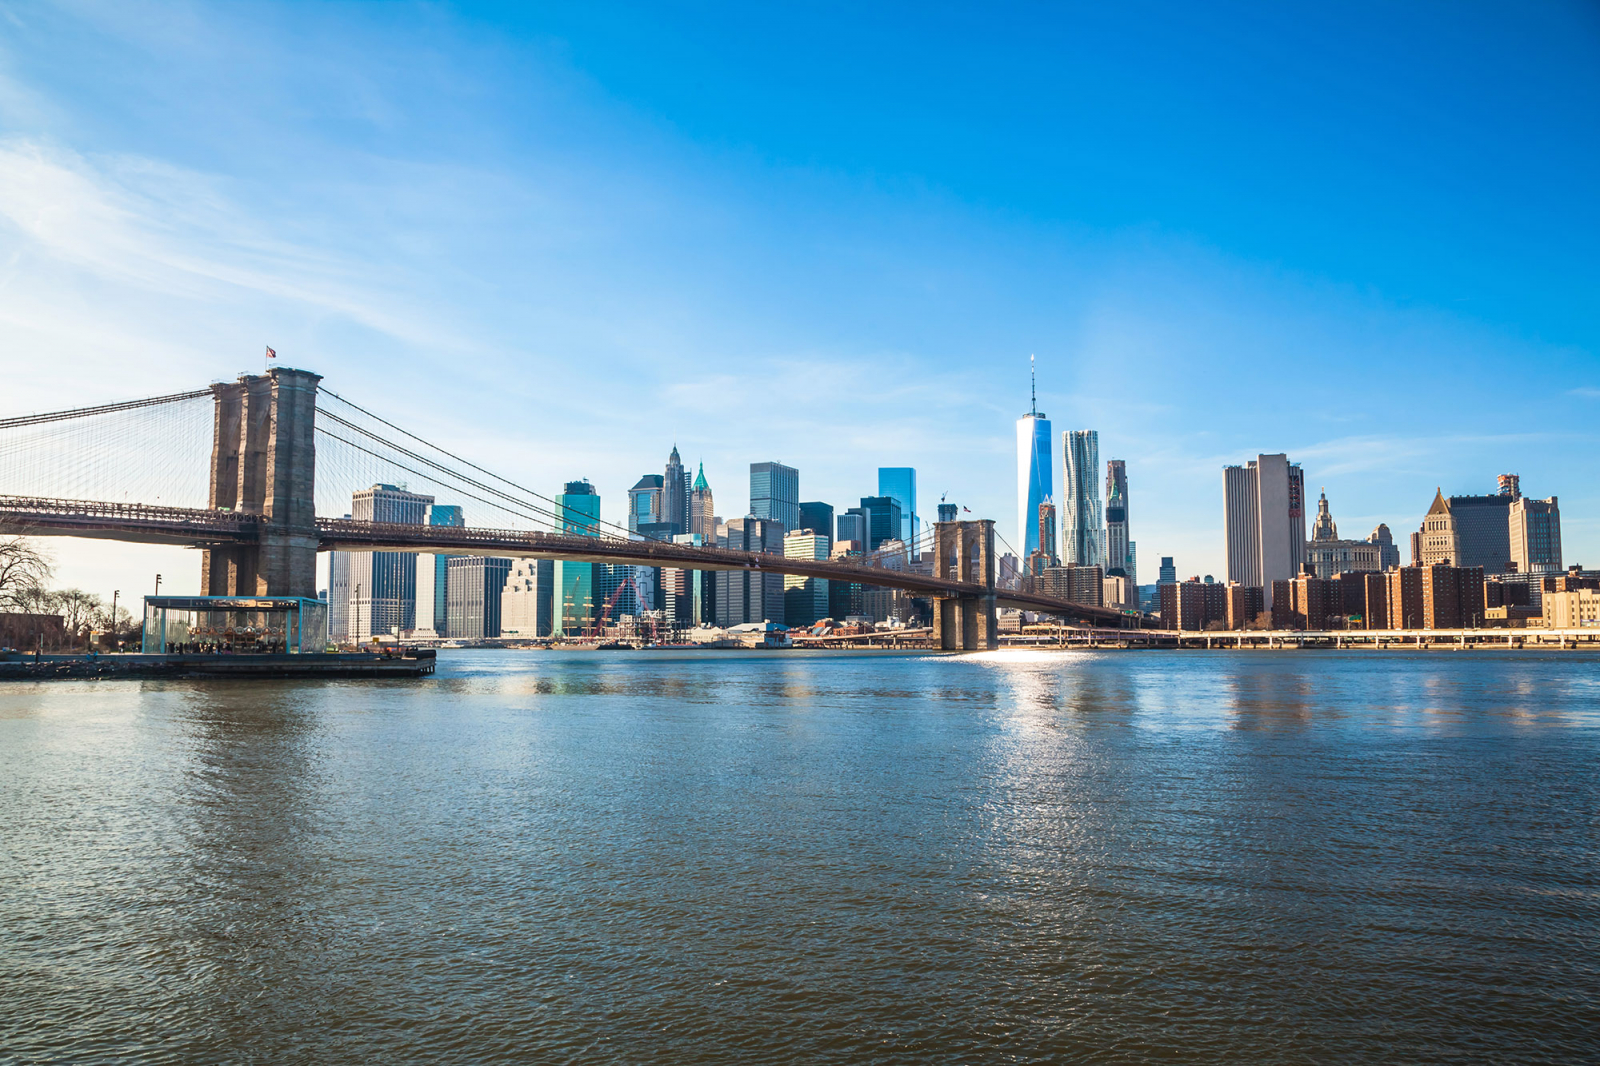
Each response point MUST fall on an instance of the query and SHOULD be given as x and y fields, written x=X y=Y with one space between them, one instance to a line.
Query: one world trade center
x=1034 y=483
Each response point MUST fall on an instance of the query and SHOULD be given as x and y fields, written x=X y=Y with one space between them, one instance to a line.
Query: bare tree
x=119 y=626
x=78 y=610
x=24 y=573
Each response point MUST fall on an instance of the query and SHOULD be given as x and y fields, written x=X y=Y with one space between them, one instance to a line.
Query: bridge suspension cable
x=513 y=508
x=551 y=511
x=103 y=409
x=151 y=450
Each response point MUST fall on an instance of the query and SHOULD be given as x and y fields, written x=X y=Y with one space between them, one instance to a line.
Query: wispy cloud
x=174 y=232
x=1586 y=392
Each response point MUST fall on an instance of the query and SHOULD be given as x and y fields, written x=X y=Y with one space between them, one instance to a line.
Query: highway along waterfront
x=667 y=857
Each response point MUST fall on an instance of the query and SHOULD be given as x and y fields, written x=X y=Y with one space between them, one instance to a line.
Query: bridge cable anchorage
x=585 y=520
x=103 y=409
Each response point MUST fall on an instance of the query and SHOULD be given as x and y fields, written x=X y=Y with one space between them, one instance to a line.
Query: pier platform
x=410 y=662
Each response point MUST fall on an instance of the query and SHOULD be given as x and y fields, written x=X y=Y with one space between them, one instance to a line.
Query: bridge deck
x=198 y=527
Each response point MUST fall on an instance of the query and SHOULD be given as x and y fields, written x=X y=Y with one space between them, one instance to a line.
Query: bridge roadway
x=200 y=528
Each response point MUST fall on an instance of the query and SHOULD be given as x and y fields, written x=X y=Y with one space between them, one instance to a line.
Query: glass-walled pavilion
x=235 y=625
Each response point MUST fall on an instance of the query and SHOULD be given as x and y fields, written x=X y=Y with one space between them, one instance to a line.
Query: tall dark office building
x=1119 y=549
x=1468 y=531
x=883 y=519
x=775 y=493
x=475 y=585
x=675 y=494
x=750 y=595
x=817 y=517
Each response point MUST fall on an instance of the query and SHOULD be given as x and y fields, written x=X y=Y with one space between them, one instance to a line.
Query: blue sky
x=564 y=238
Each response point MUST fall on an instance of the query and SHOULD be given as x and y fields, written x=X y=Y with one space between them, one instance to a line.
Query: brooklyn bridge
x=274 y=457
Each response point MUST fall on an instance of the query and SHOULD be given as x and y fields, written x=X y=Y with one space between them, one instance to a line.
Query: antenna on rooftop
x=1033 y=386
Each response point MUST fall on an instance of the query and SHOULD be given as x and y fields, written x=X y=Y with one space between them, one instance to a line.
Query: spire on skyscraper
x=1323 y=528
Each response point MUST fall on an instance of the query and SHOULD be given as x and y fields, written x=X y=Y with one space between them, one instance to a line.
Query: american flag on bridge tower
x=271 y=354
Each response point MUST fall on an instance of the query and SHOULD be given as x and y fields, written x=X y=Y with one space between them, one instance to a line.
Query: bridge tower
x=965 y=623
x=263 y=462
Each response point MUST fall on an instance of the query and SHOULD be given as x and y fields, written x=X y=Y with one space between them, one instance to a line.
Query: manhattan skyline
x=540 y=239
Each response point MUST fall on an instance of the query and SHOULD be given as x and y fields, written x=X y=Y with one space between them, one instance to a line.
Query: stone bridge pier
x=964 y=551
x=263 y=462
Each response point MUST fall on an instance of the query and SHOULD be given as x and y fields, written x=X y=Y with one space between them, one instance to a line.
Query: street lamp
x=116 y=638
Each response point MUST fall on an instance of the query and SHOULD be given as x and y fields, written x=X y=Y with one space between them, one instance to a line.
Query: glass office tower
x=579 y=508
x=443 y=514
x=1082 y=530
x=1034 y=481
x=775 y=493
x=900 y=482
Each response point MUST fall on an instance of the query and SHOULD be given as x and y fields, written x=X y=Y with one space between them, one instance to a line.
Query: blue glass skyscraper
x=900 y=482
x=775 y=493
x=572 y=606
x=1034 y=481
x=443 y=514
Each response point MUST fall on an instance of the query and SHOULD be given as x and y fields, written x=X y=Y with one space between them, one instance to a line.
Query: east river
x=659 y=858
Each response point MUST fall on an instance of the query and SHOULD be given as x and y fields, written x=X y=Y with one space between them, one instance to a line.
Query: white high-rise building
x=1265 y=515
x=525 y=599
x=1034 y=481
x=1082 y=532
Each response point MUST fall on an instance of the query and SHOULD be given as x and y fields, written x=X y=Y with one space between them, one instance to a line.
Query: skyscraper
x=901 y=483
x=441 y=514
x=775 y=493
x=1034 y=468
x=645 y=501
x=1047 y=532
x=852 y=527
x=1119 y=549
x=1468 y=531
x=1264 y=514
x=1535 y=530
x=525 y=599
x=702 y=509
x=1167 y=573
x=1388 y=554
x=475 y=585
x=383 y=585
x=675 y=494
x=572 y=606
x=882 y=514
x=750 y=595
x=1081 y=532
x=805 y=599
x=818 y=517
